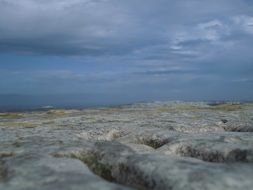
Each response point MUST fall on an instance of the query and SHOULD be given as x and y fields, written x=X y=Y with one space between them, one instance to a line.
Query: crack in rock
x=3 y=171
x=211 y=152
x=94 y=159
x=153 y=142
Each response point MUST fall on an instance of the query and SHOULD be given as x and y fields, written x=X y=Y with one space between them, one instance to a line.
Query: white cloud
x=198 y=41
x=244 y=22
x=213 y=30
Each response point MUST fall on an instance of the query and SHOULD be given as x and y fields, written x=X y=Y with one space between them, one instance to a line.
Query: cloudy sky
x=137 y=49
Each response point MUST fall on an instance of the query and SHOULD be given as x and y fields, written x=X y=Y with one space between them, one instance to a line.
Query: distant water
x=37 y=102
x=68 y=101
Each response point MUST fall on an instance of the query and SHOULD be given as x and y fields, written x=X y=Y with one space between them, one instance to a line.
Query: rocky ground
x=171 y=145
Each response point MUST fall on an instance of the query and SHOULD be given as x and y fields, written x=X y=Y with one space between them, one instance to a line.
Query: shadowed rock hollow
x=158 y=146
x=3 y=171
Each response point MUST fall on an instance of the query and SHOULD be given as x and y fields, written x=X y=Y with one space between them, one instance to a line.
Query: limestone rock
x=160 y=146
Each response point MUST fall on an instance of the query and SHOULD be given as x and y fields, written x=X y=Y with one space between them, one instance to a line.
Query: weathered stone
x=116 y=162
x=211 y=151
x=163 y=145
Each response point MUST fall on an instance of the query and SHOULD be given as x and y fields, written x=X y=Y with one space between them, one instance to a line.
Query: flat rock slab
x=163 y=145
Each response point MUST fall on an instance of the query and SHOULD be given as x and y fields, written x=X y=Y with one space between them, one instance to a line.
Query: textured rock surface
x=144 y=146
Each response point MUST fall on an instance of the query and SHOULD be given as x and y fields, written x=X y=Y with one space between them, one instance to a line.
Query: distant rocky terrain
x=161 y=146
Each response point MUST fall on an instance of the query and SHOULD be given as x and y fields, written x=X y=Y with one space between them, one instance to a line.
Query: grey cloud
x=166 y=44
x=108 y=27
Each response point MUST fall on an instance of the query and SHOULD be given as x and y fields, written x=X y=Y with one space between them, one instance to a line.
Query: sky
x=127 y=50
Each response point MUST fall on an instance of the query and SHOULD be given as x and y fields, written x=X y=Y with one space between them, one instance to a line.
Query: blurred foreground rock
x=161 y=146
